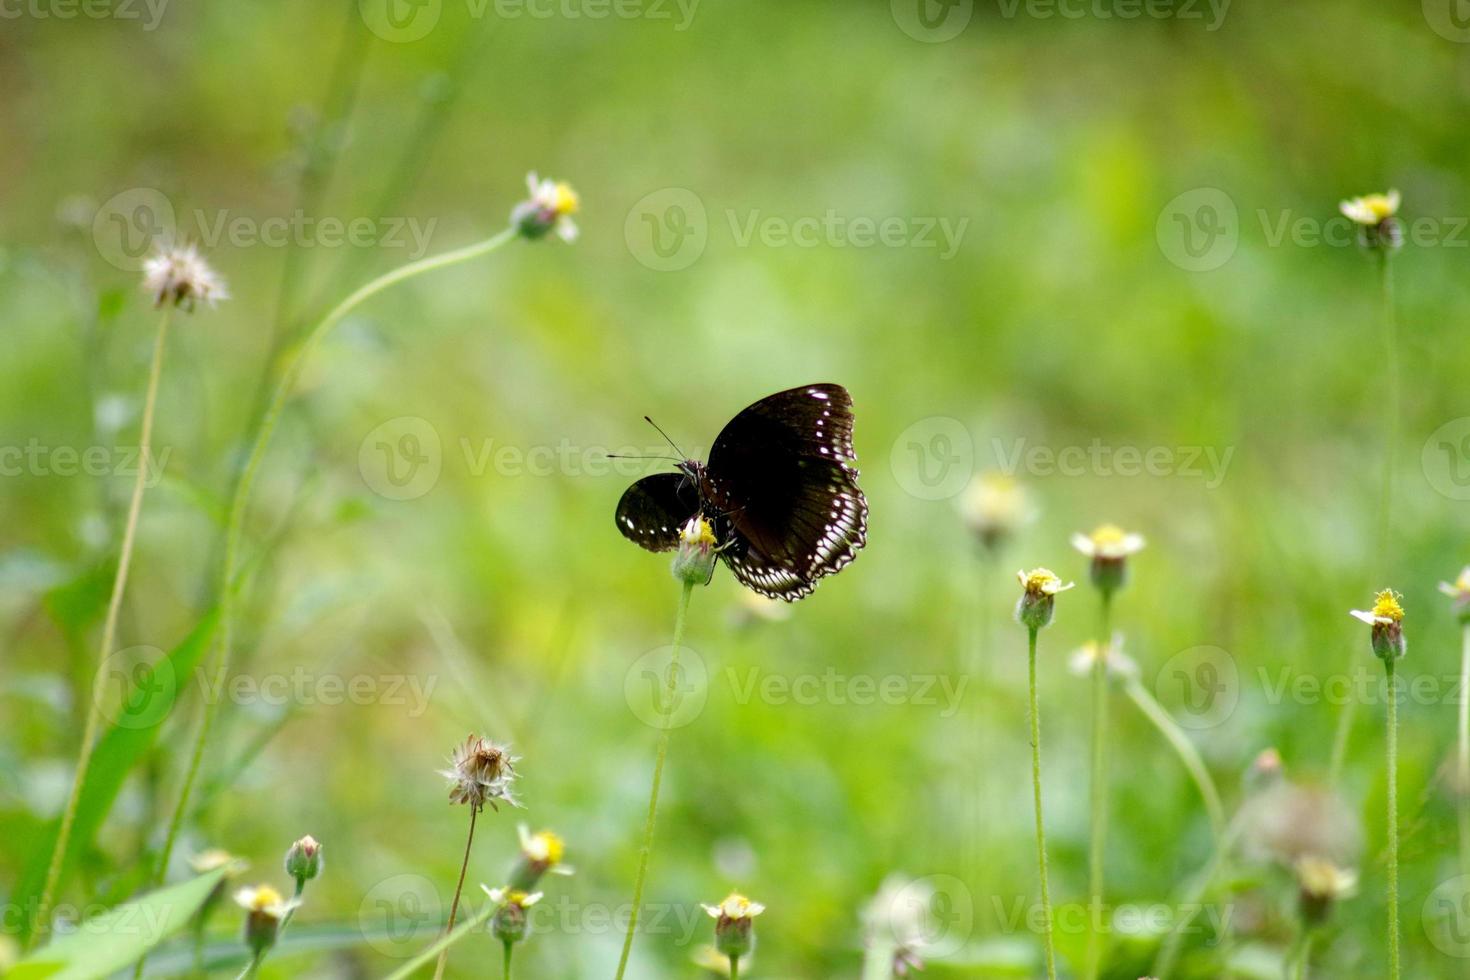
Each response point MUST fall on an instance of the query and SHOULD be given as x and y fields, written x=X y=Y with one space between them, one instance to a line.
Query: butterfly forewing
x=653 y=509
x=781 y=473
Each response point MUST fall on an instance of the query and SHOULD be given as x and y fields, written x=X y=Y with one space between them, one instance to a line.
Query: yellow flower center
x=265 y=897
x=547 y=847
x=564 y=200
x=1038 y=579
x=697 y=532
x=1380 y=204
x=1108 y=534
x=1386 y=604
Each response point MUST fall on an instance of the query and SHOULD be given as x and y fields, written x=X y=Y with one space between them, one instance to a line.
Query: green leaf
x=152 y=695
x=106 y=943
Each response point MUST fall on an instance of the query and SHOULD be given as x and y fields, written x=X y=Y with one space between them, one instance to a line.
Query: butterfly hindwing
x=653 y=509
x=781 y=473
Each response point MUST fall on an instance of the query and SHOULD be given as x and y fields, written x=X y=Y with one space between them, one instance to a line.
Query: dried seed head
x=178 y=274
x=481 y=772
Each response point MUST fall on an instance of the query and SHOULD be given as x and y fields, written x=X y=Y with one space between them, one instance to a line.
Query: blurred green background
x=1117 y=188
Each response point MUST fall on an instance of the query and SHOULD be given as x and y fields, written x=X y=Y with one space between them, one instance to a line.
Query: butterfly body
x=779 y=490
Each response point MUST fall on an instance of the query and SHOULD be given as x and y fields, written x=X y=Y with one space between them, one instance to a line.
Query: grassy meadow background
x=1069 y=313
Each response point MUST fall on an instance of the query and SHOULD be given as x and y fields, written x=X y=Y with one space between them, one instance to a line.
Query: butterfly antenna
x=666 y=437
x=672 y=459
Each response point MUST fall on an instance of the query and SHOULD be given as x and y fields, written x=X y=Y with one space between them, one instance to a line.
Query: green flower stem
x=734 y=968
x=109 y=627
x=1169 y=953
x=1098 y=785
x=1302 y=955
x=234 y=527
x=442 y=943
x=253 y=967
x=878 y=956
x=1384 y=537
x=1184 y=748
x=509 y=946
x=458 y=890
x=1051 y=953
x=1393 y=821
x=1462 y=789
x=658 y=773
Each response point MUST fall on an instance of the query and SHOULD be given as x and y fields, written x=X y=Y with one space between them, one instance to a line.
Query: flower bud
x=735 y=924
x=510 y=924
x=549 y=208
x=1040 y=587
x=1387 y=619
x=694 y=561
x=304 y=860
x=1375 y=216
x=264 y=910
x=1320 y=883
x=1109 y=547
x=540 y=852
x=1459 y=591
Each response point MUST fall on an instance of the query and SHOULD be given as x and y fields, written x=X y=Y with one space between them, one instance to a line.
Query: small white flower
x=1109 y=542
x=1117 y=663
x=549 y=208
x=1371 y=210
x=265 y=900
x=179 y=275
x=735 y=906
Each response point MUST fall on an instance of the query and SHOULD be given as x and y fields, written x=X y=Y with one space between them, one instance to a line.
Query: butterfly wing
x=781 y=473
x=653 y=509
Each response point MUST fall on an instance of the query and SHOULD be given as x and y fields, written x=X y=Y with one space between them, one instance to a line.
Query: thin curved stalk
x=109 y=626
x=442 y=943
x=1184 y=748
x=658 y=773
x=1462 y=789
x=458 y=890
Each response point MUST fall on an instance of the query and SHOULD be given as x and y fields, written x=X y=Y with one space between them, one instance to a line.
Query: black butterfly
x=778 y=491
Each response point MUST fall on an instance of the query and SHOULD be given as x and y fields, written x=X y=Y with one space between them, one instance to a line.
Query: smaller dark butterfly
x=779 y=491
